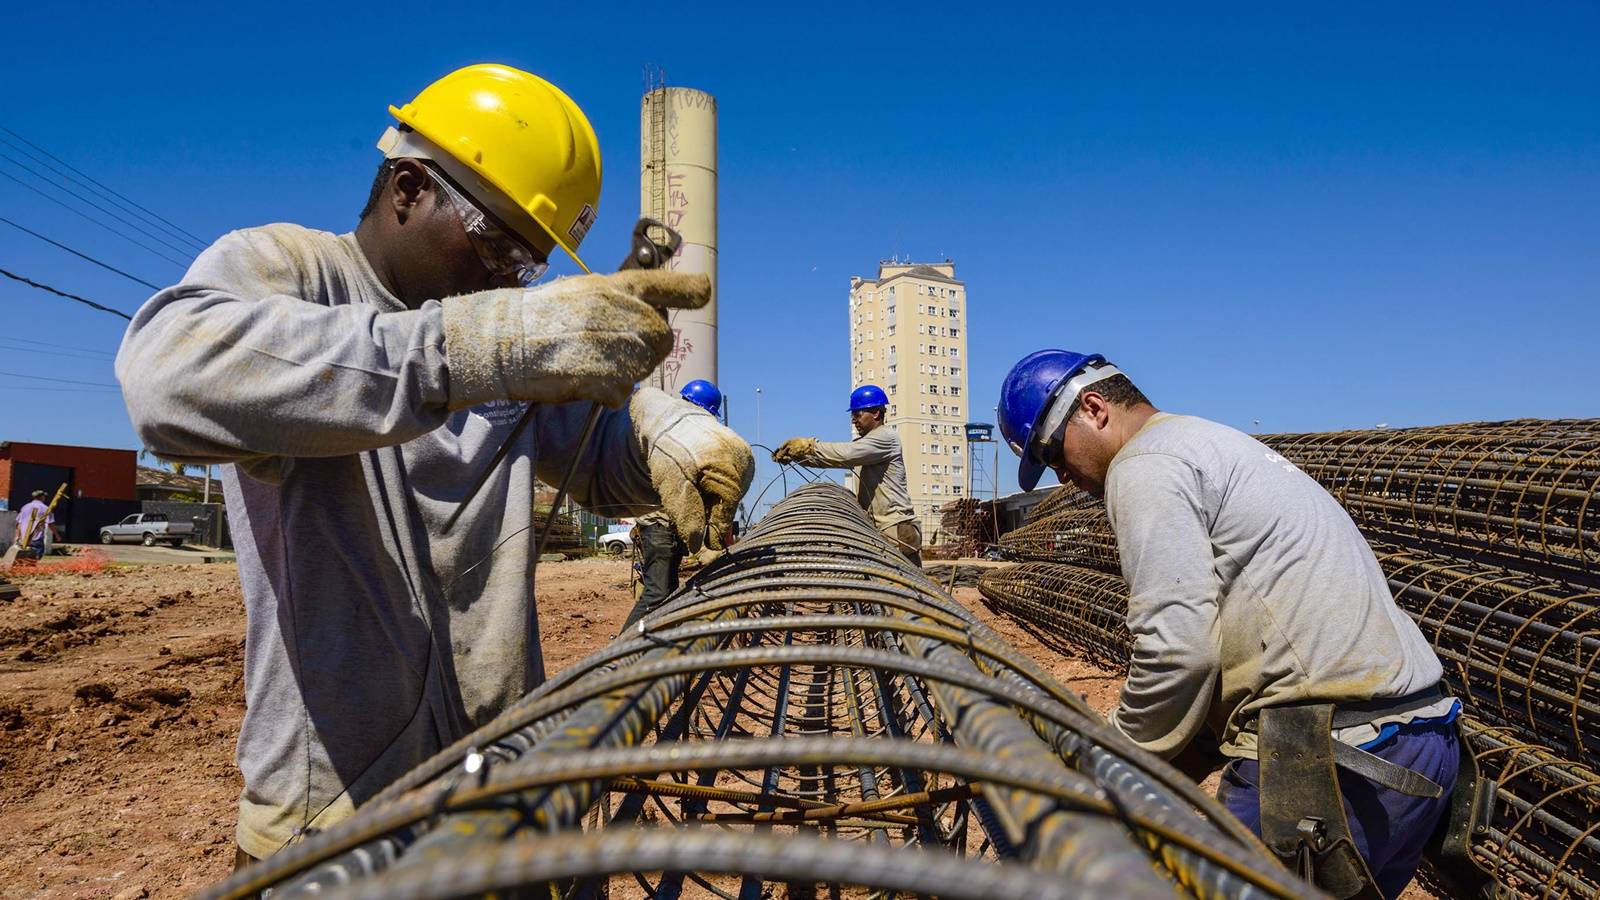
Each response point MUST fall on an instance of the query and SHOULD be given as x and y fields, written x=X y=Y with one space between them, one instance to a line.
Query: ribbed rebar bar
x=1520 y=650
x=808 y=684
x=1498 y=491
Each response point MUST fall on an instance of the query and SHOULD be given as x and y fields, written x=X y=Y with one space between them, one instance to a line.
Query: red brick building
x=100 y=483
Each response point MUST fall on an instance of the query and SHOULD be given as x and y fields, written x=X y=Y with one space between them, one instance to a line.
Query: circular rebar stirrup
x=806 y=711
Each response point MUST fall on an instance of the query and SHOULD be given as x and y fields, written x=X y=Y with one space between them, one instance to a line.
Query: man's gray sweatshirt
x=374 y=639
x=880 y=473
x=1249 y=587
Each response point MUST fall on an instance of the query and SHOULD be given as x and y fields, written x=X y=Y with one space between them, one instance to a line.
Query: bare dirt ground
x=121 y=694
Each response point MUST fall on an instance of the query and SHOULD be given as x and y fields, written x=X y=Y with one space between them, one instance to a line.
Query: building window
x=955 y=370
x=955 y=489
x=955 y=352
x=955 y=410
x=955 y=392
x=924 y=468
x=920 y=328
x=936 y=448
x=894 y=409
x=891 y=294
x=891 y=331
x=924 y=409
x=922 y=388
x=955 y=332
x=892 y=369
x=934 y=489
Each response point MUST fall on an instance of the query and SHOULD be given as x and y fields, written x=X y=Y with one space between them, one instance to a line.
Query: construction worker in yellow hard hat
x=358 y=383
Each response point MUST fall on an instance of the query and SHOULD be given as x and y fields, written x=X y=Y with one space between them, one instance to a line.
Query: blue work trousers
x=1389 y=828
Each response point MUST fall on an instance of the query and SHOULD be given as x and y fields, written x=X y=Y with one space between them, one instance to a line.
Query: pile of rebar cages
x=966 y=528
x=1488 y=535
x=808 y=712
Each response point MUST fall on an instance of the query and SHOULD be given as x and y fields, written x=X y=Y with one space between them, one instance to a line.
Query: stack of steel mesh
x=1487 y=533
x=805 y=710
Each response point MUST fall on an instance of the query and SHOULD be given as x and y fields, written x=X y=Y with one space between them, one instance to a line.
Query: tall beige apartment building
x=908 y=335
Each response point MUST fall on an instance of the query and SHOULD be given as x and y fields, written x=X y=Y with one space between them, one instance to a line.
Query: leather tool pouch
x=1471 y=807
x=1302 y=809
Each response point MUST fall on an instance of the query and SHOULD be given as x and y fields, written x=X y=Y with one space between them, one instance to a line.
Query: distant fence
x=210 y=519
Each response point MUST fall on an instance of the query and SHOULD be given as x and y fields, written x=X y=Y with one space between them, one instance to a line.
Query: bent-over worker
x=357 y=383
x=1259 y=612
x=880 y=468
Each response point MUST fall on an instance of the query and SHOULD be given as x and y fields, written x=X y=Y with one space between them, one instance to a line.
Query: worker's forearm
x=210 y=376
x=849 y=454
x=611 y=477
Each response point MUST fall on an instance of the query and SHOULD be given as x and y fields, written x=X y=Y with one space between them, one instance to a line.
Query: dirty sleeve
x=1157 y=507
x=236 y=362
x=880 y=445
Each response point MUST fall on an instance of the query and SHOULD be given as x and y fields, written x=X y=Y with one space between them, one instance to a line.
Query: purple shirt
x=29 y=514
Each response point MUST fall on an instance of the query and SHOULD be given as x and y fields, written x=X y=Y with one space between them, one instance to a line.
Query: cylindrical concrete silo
x=678 y=186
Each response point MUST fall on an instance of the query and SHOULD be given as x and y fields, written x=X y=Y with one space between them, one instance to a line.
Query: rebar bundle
x=801 y=712
x=1518 y=493
x=1542 y=837
x=966 y=527
x=1081 y=537
x=1520 y=650
x=1067 y=607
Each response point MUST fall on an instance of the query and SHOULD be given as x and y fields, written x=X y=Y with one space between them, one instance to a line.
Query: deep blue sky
x=1316 y=220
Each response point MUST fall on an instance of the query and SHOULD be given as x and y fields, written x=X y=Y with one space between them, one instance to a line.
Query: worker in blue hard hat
x=661 y=548
x=1259 y=614
x=880 y=469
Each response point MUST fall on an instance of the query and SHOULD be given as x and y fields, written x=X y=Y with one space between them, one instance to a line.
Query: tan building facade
x=908 y=335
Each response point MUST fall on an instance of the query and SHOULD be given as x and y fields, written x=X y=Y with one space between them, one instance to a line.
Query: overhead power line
x=81 y=214
x=81 y=255
x=99 y=384
x=119 y=198
x=17 y=340
x=60 y=293
x=160 y=239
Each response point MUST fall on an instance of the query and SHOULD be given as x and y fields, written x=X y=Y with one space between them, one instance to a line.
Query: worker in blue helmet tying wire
x=661 y=548
x=880 y=469
x=1260 y=620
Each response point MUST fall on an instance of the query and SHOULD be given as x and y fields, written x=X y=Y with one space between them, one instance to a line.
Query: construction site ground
x=121 y=693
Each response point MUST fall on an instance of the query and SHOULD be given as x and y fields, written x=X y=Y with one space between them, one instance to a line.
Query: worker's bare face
x=1085 y=448
x=864 y=420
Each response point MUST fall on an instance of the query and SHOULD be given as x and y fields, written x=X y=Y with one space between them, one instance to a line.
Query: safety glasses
x=506 y=257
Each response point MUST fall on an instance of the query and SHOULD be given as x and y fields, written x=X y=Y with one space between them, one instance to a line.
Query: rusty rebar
x=812 y=670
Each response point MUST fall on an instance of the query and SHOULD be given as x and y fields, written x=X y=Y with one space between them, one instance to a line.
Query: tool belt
x=1302 y=809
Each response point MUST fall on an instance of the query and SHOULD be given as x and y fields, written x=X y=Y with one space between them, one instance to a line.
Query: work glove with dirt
x=589 y=337
x=795 y=450
x=700 y=467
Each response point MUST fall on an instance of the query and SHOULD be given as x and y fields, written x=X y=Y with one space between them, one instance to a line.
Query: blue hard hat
x=1025 y=397
x=704 y=394
x=868 y=396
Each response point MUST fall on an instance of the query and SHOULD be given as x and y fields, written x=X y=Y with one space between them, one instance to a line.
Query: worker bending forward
x=1257 y=611
x=358 y=383
x=880 y=469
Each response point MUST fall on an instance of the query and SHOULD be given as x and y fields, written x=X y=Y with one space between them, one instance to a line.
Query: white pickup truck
x=149 y=529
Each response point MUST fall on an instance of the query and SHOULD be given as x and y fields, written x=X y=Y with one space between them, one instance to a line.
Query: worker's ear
x=407 y=186
x=1095 y=409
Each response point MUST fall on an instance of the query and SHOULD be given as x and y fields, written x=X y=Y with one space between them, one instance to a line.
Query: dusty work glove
x=795 y=450
x=700 y=468
x=590 y=337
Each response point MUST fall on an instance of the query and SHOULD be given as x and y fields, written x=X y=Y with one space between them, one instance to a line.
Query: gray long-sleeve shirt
x=374 y=639
x=1249 y=587
x=880 y=473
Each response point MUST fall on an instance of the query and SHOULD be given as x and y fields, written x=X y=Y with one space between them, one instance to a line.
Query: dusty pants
x=663 y=553
x=907 y=538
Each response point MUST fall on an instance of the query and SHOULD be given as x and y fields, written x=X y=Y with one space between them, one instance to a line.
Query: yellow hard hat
x=516 y=143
